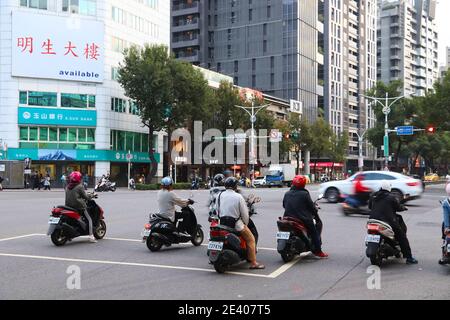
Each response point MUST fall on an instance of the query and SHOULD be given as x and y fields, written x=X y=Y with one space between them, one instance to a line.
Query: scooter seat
x=68 y=208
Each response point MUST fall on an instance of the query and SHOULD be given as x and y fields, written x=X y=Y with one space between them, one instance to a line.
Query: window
x=23 y=97
x=63 y=134
x=24 y=133
x=43 y=134
x=85 y=7
x=57 y=138
x=69 y=100
x=43 y=99
x=265 y=45
x=36 y=4
x=133 y=141
x=72 y=135
x=268 y=11
x=250 y=14
x=53 y=134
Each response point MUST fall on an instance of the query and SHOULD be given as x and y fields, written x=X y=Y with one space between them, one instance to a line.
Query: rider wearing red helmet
x=362 y=193
x=297 y=203
x=76 y=198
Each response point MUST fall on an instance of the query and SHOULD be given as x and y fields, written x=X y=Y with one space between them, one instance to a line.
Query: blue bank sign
x=57 y=116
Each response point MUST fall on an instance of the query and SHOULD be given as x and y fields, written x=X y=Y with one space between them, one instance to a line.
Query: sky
x=443 y=25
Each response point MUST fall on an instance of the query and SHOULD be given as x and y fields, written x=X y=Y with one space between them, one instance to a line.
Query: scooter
x=226 y=247
x=352 y=205
x=66 y=223
x=292 y=235
x=445 y=260
x=104 y=187
x=380 y=242
x=162 y=231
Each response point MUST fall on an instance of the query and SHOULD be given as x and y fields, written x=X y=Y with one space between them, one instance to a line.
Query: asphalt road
x=121 y=267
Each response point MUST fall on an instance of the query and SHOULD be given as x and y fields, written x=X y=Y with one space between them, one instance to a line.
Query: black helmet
x=231 y=183
x=218 y=180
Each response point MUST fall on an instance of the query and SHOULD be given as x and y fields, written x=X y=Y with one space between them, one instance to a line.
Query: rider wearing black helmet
x=217 y=188
x=233 y=212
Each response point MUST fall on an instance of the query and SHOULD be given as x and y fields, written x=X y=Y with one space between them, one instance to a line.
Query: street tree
x=321 y=142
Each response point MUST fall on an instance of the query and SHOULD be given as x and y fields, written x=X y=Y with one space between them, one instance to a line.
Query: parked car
x=404 y=187
x=259 y=181
x=432 y=177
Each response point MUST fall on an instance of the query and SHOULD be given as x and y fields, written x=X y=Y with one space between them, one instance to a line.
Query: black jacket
x=384 y=207
x=297 y=203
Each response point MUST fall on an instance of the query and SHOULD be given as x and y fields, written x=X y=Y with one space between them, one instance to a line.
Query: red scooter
x=67 y=223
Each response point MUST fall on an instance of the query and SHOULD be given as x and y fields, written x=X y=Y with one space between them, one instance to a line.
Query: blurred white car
x=403 y=187
x=259 y=181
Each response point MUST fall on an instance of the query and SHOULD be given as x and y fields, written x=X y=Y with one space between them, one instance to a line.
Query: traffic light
x=431 y=130
x=287 y=136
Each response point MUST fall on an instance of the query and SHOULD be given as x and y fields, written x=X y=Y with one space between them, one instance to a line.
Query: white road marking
x=287 y=266
x=24 y=236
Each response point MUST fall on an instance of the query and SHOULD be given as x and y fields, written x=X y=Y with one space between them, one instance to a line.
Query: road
x=121 y=266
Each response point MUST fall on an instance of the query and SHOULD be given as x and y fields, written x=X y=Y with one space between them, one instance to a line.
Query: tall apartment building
x=269 y=45
x=61 y=105
x=349 y=40
x=408 y=44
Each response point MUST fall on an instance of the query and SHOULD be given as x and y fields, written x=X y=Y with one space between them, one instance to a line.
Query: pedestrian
x=64 y=180
x=85 y=181
x=1 y=186
x=47 y=182
x=36 y=181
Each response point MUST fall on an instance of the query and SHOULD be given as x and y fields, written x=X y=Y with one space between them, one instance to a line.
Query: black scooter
x=162 y=231
x=445 y=260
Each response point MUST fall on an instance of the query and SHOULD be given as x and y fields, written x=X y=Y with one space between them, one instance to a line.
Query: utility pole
x=360 y=147
x=251 y=112
x=386 y=110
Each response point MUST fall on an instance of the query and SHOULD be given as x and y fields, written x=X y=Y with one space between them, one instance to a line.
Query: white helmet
x=386 y=185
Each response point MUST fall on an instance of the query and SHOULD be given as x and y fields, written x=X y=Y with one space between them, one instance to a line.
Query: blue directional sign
x=405 y=131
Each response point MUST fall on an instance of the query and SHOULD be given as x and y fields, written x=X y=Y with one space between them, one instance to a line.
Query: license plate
x=145 y=233
x=53 y=220
x=283 y=235
x=373 y=238
x=218 y=246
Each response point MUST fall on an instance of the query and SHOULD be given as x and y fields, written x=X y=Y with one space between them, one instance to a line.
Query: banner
x=57 y=116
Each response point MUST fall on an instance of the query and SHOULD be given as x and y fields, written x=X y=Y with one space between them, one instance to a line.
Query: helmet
x=231 y=183
x=75 y=177
x=299 y=182
x=219 y=179
x=166 y=181
x=386 y=185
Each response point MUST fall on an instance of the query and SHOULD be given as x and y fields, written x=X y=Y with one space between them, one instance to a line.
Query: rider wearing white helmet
x=167 y=199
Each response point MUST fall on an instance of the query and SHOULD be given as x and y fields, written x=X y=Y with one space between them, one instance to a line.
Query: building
x=61 y=105
x=349 y=41
x=270 y=45
x=408 y=44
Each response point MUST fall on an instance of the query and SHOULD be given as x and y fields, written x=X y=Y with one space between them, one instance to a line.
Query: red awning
x=327 y=165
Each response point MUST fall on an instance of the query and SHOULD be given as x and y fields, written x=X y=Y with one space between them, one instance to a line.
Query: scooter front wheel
x=100 y=231
x=58 y=238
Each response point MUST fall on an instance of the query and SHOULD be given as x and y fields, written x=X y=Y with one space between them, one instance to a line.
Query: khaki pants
x=251 y=244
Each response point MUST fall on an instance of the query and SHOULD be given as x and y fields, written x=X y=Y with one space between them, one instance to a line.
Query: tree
x=168 y=92
x=321 y=144
x=338 y=148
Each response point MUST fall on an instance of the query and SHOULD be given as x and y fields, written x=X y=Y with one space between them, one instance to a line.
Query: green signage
x=386 y=146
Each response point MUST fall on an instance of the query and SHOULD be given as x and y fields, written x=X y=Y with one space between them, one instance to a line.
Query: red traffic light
x=431 y=129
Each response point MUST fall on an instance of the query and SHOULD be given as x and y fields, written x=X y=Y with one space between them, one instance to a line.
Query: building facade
x=61 y=105
x=408 y=44
x=269 y=45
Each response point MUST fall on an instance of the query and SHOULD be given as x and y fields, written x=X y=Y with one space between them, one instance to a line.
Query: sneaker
x=321 y=255
x=411 y=261
x=92 y=239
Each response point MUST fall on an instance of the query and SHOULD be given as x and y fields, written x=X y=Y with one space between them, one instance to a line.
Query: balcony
x=181 y=42
x=184 y=9
x=188 y=56
x=185 y=25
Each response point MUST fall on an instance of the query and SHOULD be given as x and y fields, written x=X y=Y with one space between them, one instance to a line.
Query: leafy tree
x=338 y=148
x=168 y=92
x=321 y=143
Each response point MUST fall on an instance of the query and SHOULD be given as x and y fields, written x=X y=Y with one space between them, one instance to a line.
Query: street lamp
x=360 y=147
x=252 y=113
x=386 y=110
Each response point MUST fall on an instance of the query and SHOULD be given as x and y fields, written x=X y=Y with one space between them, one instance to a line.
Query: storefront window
x=53 y=136
x=33 y=134
x=63 y=134
x=44 y=99
x=72 y=134
x=24 y=133
x=43 y=134
x=90 y=135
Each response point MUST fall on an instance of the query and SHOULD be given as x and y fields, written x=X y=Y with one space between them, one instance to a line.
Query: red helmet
x=75 y=177
x=299 y=182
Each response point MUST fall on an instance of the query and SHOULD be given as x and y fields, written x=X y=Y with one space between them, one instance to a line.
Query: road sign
x=237 y=138
x=275 y=135
x=386 y=110
x=405 y=131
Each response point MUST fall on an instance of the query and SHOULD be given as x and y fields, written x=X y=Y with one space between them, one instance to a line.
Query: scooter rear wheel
x=198 y=237
x=153 y=244
x=58 y=238
x=376 y=260
x=220 y=268
x=287 y=256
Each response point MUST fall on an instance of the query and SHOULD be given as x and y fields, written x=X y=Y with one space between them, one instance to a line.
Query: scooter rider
x=446 y=214
x=233 y=212
x=362 y=193
x=167 y=199
x=384 y=207
x=218 y=187
x=297 y=203
x=76 y=198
